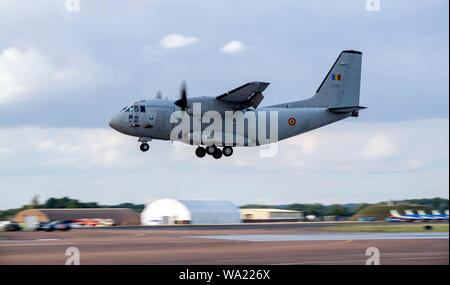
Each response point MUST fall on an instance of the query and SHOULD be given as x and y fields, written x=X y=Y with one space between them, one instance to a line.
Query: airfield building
x=170 y=211
x=270 y=215
x=122 y=216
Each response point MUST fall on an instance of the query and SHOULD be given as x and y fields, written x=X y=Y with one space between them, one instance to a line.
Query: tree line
x=64 y=202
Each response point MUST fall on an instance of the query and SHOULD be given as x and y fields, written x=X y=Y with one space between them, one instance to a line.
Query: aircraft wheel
x=217 y=154
x=227 y=151
x=144 y=147
x=211 y=149
x=200 y=152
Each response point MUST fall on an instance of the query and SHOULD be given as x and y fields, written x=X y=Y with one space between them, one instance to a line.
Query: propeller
x=182 y=102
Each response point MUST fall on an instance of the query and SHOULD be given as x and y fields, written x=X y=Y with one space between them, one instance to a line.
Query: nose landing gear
x=144 y=147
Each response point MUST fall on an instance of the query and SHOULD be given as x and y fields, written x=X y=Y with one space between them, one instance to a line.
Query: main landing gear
x=214 y=151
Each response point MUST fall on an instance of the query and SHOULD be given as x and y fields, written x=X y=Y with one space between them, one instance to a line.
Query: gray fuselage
x=151 y=119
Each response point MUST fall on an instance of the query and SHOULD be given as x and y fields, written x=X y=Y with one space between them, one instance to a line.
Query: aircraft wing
x=245 y=96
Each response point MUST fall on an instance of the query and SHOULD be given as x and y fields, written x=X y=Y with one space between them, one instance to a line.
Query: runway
x=182 y=245
x=245 y=226
x=316 y=237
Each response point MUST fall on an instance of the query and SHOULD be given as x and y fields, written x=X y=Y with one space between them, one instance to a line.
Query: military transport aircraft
x=236 y=118
x=421 y=217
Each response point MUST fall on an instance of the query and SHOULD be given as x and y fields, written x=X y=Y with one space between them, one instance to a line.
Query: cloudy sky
x=64 y=73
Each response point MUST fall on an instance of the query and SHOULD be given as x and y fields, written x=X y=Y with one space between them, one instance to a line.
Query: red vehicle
x=86 y=222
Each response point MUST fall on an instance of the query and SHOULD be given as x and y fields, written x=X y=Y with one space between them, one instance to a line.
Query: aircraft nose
x=110 y=123
x=114 y=122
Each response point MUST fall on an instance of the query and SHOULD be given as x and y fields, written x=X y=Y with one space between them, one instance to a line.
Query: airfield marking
x=321 y=262
x=343 y=242
x=420 y=258
x=21 y=240
x=357 y=260
x=34 y=244
x=315 y=237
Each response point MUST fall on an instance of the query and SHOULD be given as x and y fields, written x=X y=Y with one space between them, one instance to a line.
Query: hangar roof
x=269 y=210
x=206 y=206
x=194 y=211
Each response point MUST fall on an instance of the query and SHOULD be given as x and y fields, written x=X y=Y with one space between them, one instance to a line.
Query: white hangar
x=170 y=211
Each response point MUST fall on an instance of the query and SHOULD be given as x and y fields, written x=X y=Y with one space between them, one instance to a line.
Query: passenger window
x=136 y=119
x=136 y=109
x=142 y=109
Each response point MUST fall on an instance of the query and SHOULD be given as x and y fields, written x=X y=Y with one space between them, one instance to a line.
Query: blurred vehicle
x=426 y=217
x=311 y=218
x=76 y=224
x=89 y=222
x=366 y=219
x=58 y=225
x=40 y=226
x=3 y=224
x=438 y=215
x=12 y=227
x=107 y=222
x=393 y=219
x=329 y=218
x=81 y=223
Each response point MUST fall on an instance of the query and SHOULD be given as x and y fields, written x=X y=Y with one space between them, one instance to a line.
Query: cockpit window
x=134 y=108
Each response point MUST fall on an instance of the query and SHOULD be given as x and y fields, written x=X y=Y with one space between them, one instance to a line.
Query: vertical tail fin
x=409 y=212
x=340 y=87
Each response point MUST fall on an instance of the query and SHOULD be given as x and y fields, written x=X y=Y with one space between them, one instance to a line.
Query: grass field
x=389 y=228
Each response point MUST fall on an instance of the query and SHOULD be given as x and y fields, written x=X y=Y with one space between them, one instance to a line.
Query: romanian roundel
x=292 y=121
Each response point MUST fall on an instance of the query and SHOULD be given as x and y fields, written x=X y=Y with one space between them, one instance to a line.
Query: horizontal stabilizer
x=346 y=109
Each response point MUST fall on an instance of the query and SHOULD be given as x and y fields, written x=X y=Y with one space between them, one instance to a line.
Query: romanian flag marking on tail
x=292 y=121
x=336 y=77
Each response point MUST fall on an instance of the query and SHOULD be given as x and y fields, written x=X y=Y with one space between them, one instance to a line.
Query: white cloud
x=6 y=150
x=30 y=74
x=378 y=147
x=176 y=41
x=234 y=47
x=66 y=149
